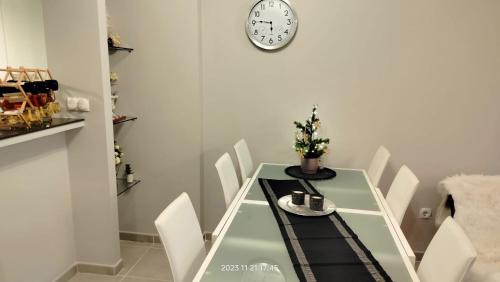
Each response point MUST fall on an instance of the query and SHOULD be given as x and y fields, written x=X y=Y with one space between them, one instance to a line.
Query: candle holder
x=316 y=202
x=298 y=197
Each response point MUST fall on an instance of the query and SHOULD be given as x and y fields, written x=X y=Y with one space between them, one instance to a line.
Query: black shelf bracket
x=118 y=48
x=124 y=120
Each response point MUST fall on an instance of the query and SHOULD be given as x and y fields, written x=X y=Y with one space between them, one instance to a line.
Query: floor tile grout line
x=132 y=267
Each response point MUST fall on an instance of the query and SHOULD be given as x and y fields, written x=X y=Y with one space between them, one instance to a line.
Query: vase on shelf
x=310 y=165
x=129 y=173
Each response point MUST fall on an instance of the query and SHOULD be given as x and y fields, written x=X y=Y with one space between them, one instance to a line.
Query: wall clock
x=271 y=24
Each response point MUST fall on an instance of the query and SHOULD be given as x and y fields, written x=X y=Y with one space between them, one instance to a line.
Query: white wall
x=3 y=54
x=60 y=196
x=77 y=55
x=24 y=33
x=159 y=82
x=420 y=77
x=35 y=195
x=36 y=234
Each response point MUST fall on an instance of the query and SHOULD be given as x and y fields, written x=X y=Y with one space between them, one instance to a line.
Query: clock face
x=271 y=24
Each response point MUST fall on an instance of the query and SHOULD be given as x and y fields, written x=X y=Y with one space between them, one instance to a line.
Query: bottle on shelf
x=130 y=173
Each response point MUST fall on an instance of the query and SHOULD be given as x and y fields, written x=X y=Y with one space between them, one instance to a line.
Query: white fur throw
x=477 y=211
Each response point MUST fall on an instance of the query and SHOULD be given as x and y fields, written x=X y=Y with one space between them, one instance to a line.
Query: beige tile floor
x=142 y=262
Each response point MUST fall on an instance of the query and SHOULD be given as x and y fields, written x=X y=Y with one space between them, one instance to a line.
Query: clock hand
x=270 y=22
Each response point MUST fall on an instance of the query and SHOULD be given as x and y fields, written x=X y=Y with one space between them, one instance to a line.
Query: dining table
x=250 y=245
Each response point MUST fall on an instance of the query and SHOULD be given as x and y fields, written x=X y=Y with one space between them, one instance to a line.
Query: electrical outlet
x=425 y=213
x=78 y=104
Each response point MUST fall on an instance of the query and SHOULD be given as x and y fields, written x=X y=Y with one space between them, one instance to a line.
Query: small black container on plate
x=298 y=197
x=316 y=202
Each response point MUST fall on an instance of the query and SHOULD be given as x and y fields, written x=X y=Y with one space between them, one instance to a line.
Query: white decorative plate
x=285 y=203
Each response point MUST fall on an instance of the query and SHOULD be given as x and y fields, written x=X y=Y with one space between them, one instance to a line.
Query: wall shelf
x=117 y=48
x=126 y=119
x=122 y=186
x=58 y=125
x=121 y=183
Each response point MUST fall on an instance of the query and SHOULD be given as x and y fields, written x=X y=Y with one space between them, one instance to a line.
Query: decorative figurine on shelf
x=118 y=154
x=307 y=143
x=113 y=77
x=114 y=99
x=129 y=173
x=114 y=40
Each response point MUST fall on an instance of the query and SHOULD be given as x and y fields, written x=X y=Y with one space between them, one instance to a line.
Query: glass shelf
x=127 y=118
x=123 y=186
x=117 y=48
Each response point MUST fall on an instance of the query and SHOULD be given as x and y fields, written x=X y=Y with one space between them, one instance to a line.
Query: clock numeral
x=263 y=36
x=286 y=31
x=262 y=6
x=289 y=22
x=253 y=22
x=271 y=4
x=280 y=38
x=271 y=41
x=286 y=13
x=280 y=6
x=257 y=14
x=256 y=32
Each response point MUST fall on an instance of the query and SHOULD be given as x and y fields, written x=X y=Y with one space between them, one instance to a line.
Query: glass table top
x=349 y=189
x=253 y=249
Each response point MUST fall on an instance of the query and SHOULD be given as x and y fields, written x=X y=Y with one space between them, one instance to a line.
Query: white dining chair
x=401 y=192
x=397 y=228
x=378 y=164
x=229 y=211
x=182 y=239
x=228 y=178
x=449 y=256
x=244 y=159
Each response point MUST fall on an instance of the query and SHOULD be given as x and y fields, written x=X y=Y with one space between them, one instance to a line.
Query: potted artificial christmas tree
x=307 y=143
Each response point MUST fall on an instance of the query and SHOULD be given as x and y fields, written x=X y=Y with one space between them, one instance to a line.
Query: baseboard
x=67 y=274
x=207 y=236
x=153 y=238
x=100 y=268
x=139 y=237
x=83 y=267
x=418 y=255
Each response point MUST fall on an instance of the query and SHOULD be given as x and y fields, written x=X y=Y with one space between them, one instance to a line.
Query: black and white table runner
x=321 y=248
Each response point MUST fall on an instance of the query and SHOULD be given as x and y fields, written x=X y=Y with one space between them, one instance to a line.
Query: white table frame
x=396 y=232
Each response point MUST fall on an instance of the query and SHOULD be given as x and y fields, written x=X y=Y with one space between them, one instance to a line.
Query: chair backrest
x=401 y=192
x=229 y=211
x=244 y=159
x=228 y=178
x=449 y=255
x=181 y=236
x=378 y=164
